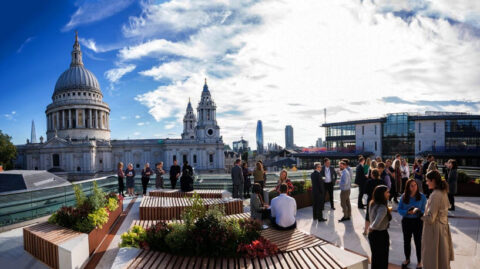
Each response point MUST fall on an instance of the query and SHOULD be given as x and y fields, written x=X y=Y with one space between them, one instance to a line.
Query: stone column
x=57 y=114
x=83 y=119
x=96 y=119
x=76 y=118
x=48 y=122
x=63 y=119
x=90 y=118
x=69 y=119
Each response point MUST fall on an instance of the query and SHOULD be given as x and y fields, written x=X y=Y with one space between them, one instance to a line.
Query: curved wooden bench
x=167 y=208
x=181 y=194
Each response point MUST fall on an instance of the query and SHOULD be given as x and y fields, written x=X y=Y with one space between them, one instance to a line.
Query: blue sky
x=280 y=62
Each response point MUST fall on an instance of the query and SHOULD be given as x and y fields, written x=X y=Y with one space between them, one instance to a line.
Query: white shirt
x=283 y=209
x=328 y=176
x=405 y=171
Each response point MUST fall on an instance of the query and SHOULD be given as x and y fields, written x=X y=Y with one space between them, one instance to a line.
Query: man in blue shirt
x=345 y=181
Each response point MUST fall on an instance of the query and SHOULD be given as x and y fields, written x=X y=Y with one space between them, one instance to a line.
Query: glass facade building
x=340 y=138
x=398 y=135
x=259 y=137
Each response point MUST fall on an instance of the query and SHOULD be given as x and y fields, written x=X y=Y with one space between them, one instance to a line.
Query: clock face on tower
x=210 y=132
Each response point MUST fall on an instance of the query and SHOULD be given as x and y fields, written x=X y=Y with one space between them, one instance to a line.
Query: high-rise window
x=210 y=158
x=434 y=127
x=419 y=145
x=434 y=145
x=419 y=127
x=363 y=130
x=375 y=145
x=194 y=158
x=375 y=129
x=56 y=159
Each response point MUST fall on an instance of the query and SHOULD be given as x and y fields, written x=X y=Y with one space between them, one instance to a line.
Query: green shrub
x=298 y=188
x=196 y=211
x=155 y=236
x=112 y=204
x=177 y=238
x=463 y=177
x=97 y=199
x=134 y=237
x=98 y=217
x=80 y=197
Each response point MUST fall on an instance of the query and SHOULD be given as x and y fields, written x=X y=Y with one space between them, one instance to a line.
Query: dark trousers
x=237 y=190
x=379 y=245
x=173 y=182
x=145 y=181
x=361 y=192
x=329 y=190
x=317 y=208
x=121 y=186
x=404 y=183
x=412 y=227
x=276 y=226
x=247 y=184
x=393 y=189
x=451 y=199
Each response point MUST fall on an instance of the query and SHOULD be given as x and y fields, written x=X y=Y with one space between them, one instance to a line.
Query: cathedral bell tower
x=207 y=127
x=189 y=123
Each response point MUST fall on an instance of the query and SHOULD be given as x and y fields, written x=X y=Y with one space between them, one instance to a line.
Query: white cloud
x=115 y=74
x=170 y=125
x=123 y=117
x=28 y=40
x=10 y=116
x=136 y=133
x=92 y=11
x=283 y=62
x=137 y=116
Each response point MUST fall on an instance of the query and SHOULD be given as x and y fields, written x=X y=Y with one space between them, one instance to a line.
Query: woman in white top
x=405 y=170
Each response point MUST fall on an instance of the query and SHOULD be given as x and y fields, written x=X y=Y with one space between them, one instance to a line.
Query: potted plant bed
x=95 y=237
x=468 y=189
x=303 y=199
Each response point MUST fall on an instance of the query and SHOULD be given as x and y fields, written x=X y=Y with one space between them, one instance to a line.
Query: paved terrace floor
x=464 y=225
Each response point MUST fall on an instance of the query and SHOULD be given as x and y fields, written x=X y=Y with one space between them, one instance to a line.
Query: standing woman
x=437 y=248
x=186 y=180
x=366 y=167
x=452 y=182
x=120 y=176
x=411 y=208
x=258 y=175
x=146 y=173
x=130 y=174
x=372 y=183
x=159 y=172
x=405 y=173
x=246 y=180
x=397 y=175
x=378 y=236
x=284 y=179
x=418 y=174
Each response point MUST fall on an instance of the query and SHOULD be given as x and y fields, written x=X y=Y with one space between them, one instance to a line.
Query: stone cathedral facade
x=78 y=143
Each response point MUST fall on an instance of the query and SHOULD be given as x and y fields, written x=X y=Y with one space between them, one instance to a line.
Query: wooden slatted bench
x=149 y=223
x=311 y=258
x=167 y=208
x=42 y=241
x=181 y=194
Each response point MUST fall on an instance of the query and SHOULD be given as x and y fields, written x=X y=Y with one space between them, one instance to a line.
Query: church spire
x=205 y=86
x=76 y=53
x=33 y=135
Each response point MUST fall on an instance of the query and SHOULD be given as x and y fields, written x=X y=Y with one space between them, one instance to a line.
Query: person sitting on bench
x=283 y=210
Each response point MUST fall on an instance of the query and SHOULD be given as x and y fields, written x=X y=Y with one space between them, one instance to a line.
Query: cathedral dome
x=77 y=77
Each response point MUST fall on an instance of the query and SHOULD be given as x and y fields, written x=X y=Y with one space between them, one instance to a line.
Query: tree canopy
x=8 y=151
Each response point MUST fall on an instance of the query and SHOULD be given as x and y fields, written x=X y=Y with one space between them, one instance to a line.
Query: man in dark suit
x=318 y=193
x=237 y=179
x=330 y=177
x=174 y=173
x=360 y=180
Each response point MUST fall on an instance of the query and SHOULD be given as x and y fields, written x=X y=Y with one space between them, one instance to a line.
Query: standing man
x=318 y=193
x=345 y=181
x=330 y=178
x=237 y=180
x=174 y=173
x=360 y=180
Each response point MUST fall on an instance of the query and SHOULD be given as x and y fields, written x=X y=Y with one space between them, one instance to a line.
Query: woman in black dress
x=186 y=180
x=146 y=173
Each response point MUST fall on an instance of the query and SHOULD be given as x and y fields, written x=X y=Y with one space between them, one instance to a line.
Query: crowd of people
x=423 y=196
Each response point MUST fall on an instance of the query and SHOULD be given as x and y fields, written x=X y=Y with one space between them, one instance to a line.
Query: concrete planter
x=96 y=236
x=468 y=189
x=303 y=199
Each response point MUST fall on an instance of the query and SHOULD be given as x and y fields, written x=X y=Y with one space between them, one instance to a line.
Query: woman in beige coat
x=437 y=248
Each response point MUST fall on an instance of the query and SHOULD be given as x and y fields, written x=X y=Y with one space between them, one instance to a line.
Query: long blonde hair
x=280 y=177
x=120 y=165
x=432 y=167
x=259 y=166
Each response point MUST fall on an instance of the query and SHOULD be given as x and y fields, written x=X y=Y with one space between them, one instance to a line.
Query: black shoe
x=405 y=265
x=322 y=219
x=332 y=208
x=361 y=207
x=342 y=219
x=451 y=209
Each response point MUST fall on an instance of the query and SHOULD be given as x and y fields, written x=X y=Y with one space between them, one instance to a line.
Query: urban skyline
x=148 y=69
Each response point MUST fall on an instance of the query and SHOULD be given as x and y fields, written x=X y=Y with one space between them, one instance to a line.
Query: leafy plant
x=134 y=237
x=80 y=197
x=196 y=211
x=463 y=177
x=98 y=217
x=112 y=204
x=177 y=238
x=97 y=199
x=260 y=248
x=298 y=187
x=112 y=195
x=155 y=236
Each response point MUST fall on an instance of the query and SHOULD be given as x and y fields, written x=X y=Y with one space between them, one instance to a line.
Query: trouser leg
x=379 y=245
x=407 y=229
x=361 y=189
x=417 y=238
x=451 y=199
x=173 y=182
x=235 y=191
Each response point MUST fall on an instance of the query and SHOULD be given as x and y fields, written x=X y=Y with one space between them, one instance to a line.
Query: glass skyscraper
x=288 y=137
x=259 y=137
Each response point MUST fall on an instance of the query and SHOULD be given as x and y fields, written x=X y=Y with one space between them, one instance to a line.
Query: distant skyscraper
x=240 y=146
x=289 y=137
x=259 y=137
x=319 y=143
x=33 y=135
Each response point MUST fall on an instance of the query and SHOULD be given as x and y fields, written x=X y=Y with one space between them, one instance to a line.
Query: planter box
x=303 y=199
x=468 y=189
x=96 y=236
x=59 y=247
